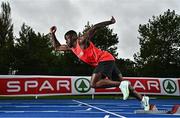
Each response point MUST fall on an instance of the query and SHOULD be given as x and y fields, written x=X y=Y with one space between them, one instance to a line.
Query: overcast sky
x=74 y=14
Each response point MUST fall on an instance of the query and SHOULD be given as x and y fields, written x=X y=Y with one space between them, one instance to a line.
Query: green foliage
x=6 y=39
x=127 y=67
x=160 y=46
x=71 y=65
x=33 y=52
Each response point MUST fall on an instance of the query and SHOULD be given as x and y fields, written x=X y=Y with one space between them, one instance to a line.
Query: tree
x=33 y=52
x=73 y=66
x=82 y=86
x=6 y=39
x=160 y=46
x=127 y=67
x=169 y=87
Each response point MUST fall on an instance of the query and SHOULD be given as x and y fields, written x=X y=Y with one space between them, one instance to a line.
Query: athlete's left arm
x=90 y=33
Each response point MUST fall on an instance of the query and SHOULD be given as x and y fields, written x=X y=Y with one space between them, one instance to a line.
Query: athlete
x=106 y=73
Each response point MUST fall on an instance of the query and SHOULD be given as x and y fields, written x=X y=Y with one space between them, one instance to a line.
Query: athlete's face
x=70 y=39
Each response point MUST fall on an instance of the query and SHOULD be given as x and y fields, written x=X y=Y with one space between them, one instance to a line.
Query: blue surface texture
x=81 y=108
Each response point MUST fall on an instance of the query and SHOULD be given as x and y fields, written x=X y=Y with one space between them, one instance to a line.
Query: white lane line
x=120 y=116
x=88 y=109
x=22 y=106
x=26 y=111
x=79 y=111
x=38 y=106
x=106 y=116
x=13 y=111
x=79 y=104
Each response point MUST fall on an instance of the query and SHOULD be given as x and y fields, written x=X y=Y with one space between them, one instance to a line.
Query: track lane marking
x=106 y=116
x=120 y=116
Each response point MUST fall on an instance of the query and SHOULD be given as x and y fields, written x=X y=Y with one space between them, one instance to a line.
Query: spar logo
x=82 y=85
x=169 y=86
x=35 y=86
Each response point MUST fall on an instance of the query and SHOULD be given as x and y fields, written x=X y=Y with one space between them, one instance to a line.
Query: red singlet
x=92 y=55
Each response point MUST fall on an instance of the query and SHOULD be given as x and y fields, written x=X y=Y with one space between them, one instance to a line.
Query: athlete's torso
x=92 y=55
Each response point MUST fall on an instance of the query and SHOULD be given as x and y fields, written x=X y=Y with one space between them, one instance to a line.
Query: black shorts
x=108 y=69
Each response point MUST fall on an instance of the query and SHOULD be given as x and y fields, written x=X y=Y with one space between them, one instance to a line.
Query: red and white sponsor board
x=34 y=85
x=75 y=85
x=142 y=85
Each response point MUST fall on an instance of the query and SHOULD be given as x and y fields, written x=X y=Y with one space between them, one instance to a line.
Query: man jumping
x=106 y=73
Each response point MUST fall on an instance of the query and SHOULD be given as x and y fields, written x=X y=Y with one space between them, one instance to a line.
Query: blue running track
x=81 y=108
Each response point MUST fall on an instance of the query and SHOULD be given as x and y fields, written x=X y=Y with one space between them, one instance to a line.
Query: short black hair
x=70 y=32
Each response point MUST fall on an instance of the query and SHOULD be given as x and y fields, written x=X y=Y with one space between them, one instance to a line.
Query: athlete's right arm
x=57 y=46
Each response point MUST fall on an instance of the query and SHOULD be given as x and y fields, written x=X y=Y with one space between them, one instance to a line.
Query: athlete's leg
x=132 y=91
x=144 y=100
x=100 y=73
x=127 y=89
x=100 y=81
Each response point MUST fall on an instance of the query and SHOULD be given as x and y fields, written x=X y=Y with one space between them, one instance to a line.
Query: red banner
x=29 y=86
x=145 y=85
x=140 y=85
x=12 y=85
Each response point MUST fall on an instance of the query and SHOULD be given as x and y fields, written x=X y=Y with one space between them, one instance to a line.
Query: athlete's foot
x=124 y=86
x=145 y=103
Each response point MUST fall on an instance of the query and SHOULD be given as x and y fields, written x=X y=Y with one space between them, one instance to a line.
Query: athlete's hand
x=113 y=20
x=53 y=29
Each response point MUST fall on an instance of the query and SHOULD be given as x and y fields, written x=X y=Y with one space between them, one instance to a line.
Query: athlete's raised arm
x=90 y=33
x=57 y=46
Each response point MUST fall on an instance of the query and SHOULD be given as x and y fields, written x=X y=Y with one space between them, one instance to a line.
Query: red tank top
x=92 y=55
